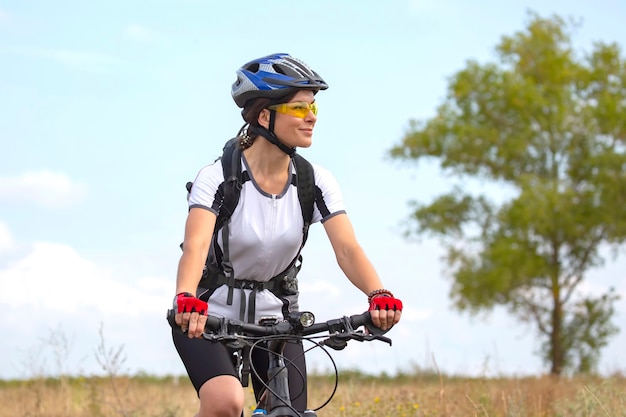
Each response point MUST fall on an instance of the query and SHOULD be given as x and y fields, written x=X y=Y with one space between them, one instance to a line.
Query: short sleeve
x=205 y=190
x=328 y=197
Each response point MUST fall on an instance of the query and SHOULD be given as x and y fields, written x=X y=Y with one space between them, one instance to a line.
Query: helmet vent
x=278 y=69
x=254 y=67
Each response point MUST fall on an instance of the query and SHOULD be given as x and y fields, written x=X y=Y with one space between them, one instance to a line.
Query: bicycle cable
x=287 y=362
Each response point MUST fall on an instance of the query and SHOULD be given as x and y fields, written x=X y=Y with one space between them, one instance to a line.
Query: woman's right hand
x=191 y=313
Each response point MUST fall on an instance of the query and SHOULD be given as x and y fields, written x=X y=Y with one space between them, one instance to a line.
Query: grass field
x=418 y=394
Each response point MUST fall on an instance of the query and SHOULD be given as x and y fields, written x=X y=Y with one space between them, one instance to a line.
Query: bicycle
x=274 y=400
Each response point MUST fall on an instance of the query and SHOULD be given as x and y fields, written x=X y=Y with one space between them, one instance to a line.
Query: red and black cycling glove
x=383 y=300
x=188 y=303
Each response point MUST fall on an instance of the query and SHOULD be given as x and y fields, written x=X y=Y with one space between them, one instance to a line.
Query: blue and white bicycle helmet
x=274 y=76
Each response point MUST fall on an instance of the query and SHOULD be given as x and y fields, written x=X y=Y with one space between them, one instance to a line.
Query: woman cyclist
x=263 y=236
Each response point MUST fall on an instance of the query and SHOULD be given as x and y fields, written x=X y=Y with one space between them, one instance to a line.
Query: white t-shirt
x=265 y=230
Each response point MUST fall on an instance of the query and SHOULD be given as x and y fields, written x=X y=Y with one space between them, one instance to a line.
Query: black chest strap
x=281 y=285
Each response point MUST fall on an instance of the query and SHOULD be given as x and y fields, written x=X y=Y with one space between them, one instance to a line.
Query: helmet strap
x=270 y=136
x=272 y=121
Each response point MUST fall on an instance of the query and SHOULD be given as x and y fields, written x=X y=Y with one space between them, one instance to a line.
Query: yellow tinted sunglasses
x=297 y=109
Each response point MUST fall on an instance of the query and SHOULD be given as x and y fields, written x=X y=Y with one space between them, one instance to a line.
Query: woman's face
x=295 y=131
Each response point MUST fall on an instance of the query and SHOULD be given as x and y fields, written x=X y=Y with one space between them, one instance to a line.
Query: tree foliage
x=551 y=126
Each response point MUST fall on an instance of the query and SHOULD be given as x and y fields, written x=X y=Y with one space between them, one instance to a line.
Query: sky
x=108 y=108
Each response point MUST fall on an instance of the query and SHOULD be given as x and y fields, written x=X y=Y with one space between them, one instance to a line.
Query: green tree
x=550 y=126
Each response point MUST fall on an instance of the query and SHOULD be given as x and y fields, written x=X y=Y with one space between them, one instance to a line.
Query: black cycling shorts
x=204 y=360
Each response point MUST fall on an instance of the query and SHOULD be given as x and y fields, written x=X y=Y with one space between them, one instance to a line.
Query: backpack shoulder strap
x=306 y=190
x=230 y=189
x=231 y=167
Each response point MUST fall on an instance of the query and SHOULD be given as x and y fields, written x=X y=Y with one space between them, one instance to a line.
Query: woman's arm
x=198 y=234
x=355 y=264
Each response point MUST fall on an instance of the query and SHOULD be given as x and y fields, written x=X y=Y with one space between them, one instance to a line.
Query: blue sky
x=108 y=108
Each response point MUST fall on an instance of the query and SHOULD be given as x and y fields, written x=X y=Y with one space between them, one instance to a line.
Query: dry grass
x=357 y=395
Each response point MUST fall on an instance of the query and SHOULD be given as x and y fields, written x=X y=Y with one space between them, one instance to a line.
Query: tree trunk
x=555 y=337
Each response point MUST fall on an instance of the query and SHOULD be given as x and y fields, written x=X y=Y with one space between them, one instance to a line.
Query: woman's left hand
x=385 y=311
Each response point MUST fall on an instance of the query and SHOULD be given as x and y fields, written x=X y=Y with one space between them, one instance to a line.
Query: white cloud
x=63 y=290
x=6 y=240
x=56 y=279
x=140 y=33
x=49 y=189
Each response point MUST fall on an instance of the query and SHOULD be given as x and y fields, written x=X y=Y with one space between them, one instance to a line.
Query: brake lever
x=382 y=338
x=233 y=342
x=339 y=341
x=223 y=335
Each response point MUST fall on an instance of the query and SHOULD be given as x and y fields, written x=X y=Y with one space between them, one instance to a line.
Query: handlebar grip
x=365 y=319
x=170 y=319
x=212 y=323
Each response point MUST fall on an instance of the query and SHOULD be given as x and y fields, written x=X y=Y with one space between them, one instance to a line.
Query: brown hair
x=253 y=109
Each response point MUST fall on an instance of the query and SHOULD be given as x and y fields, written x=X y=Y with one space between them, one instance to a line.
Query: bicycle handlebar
x=340 y=329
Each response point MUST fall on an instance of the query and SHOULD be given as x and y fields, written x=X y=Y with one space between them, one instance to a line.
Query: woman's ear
x=264 y=118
